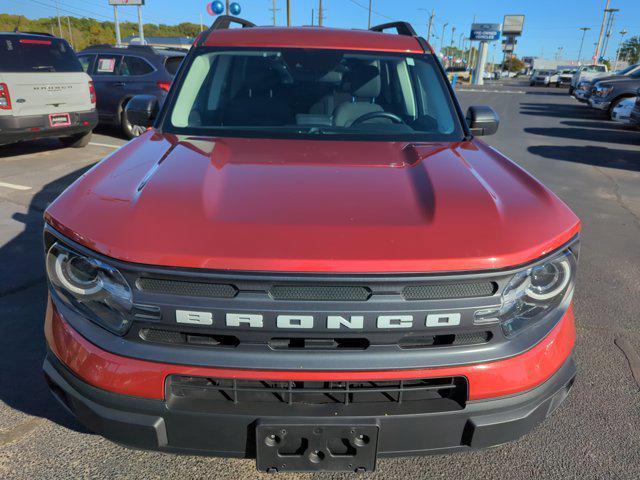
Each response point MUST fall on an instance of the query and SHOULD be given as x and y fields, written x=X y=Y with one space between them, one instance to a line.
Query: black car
x=119 y=73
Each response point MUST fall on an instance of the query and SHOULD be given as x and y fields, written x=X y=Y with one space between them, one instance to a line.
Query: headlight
x=96 y=290
x=603 y=90
x=532 y=294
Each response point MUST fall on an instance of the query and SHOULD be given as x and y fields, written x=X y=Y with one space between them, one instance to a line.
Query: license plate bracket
x=59 y=119
x=316 y=447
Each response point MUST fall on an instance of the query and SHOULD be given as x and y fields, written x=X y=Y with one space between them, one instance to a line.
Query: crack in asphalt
x=619 y=199
x=632 y=357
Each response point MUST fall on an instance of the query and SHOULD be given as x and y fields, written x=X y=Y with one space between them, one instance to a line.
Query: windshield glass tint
x=299 y=92
x=30 y=54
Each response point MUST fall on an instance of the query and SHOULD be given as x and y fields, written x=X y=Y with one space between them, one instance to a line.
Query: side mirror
x=142 y=110
x=482 y=120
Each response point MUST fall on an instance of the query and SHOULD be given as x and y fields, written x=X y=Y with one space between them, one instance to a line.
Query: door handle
x=119 y=84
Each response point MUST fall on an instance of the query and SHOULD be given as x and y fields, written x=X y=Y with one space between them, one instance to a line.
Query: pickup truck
x=587 y=73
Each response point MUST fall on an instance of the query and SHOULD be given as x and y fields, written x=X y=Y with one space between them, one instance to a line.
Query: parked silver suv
x=43 y=91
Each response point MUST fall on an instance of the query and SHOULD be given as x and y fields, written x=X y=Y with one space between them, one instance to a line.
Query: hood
x=312 y=206
x=619 y=80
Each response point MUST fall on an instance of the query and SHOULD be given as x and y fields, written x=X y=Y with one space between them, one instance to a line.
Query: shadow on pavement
x=591 y=155
x=22 y=305
x=609 y=125
x=589 y=135
x=560 y=111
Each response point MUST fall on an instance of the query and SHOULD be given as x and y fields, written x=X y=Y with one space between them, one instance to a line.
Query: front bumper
x=129 y=401
x=598 y=103
x=33 y=127
x=582 y=95
x=152 y=424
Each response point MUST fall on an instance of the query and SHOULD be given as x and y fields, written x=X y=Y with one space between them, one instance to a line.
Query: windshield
x=624 y=71
x=20 y=53
x=295 y=92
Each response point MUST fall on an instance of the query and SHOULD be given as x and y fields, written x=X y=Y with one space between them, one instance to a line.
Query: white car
x=587 y=73
x=44 y=91
x=621 y=112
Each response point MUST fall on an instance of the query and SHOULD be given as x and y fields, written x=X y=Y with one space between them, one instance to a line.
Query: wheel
x=77 y=141
x=130 y=131
x=613 y=105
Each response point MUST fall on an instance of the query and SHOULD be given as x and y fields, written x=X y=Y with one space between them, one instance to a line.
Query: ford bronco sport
x=310 y=260
x=43 y=91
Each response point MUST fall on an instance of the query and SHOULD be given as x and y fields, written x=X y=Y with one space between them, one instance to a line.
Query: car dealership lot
x=591 y=163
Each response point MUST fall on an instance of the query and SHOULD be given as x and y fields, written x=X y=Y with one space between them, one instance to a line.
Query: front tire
x=613 y=105
x=80 y=140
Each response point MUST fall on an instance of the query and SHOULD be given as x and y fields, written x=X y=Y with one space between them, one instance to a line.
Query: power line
x=366 y=7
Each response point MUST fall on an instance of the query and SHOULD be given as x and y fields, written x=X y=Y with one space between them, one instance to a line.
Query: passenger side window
x=85 y=61
x=108 y=65
x=135 y=66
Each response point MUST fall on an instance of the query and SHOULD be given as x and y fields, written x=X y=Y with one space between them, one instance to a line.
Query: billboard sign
x=120 y=3
x=485 y=32
x=513 y=25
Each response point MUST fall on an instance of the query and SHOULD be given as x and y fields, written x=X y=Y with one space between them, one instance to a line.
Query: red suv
x=310 y=260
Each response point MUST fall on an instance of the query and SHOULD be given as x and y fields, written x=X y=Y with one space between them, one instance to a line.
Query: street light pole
x=584 y=32
x=433 y=14
x=370 y=5
x=612 y=13
x=288 y=13
x=442 y=37
x=622 y=34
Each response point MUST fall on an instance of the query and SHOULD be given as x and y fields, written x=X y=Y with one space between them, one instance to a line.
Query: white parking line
x=488 y=91
x=14 y=186
x=108 y=145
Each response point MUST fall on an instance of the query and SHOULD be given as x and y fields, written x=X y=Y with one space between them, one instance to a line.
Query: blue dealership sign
x=485 y=32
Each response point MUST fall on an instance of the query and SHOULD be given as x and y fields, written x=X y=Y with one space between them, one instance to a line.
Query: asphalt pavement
x=591 y=163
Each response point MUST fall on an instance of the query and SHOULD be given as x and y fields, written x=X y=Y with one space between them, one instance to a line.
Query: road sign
x=119 y=3
x=513 y=25
x=485 y=32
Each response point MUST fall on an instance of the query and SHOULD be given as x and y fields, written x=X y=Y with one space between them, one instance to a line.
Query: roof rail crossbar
x=402 y=28
x=224 y=22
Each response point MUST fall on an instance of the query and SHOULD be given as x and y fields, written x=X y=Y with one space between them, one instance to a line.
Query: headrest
x=365 y=81
x=332 y=77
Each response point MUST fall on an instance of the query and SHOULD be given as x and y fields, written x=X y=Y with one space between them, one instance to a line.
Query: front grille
x=321 y=293
x=437 y=291
x=454 y=340
x=189 y=289
x=155 y=335
x=309 y=393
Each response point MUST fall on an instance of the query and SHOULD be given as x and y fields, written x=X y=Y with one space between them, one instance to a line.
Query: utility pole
x=274 y=9
x=320 y=14
x=70 y=34
x=453 y=33
x=288 y=13
x=612 y=13
x=59 y=22
x=584 y=32
x=433 y=14
x=604 y=21
x=622 y=34
x=117 y=24
x=141 y=26
x=370 y=5
x=227 y=10
x=313 y=17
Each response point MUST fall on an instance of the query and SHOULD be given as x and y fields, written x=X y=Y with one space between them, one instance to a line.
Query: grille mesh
x=191 y=289
x=449 y=290
x=320 y=293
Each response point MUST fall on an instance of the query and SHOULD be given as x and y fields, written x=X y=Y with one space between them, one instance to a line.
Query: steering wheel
x=371 y=115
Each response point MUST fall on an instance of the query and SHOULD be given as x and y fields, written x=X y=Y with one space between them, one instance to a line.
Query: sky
x=549 y=24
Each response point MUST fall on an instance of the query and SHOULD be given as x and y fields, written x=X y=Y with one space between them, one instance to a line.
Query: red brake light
x=35 y=42
x=5 y=99
x=92 y=92
x=164 y=86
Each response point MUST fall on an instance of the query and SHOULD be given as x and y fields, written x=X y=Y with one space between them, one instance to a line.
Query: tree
x=513 y=64
x=630 y=50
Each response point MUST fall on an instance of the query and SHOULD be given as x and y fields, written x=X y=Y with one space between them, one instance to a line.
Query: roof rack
x=402 y=28
x=223 y=22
